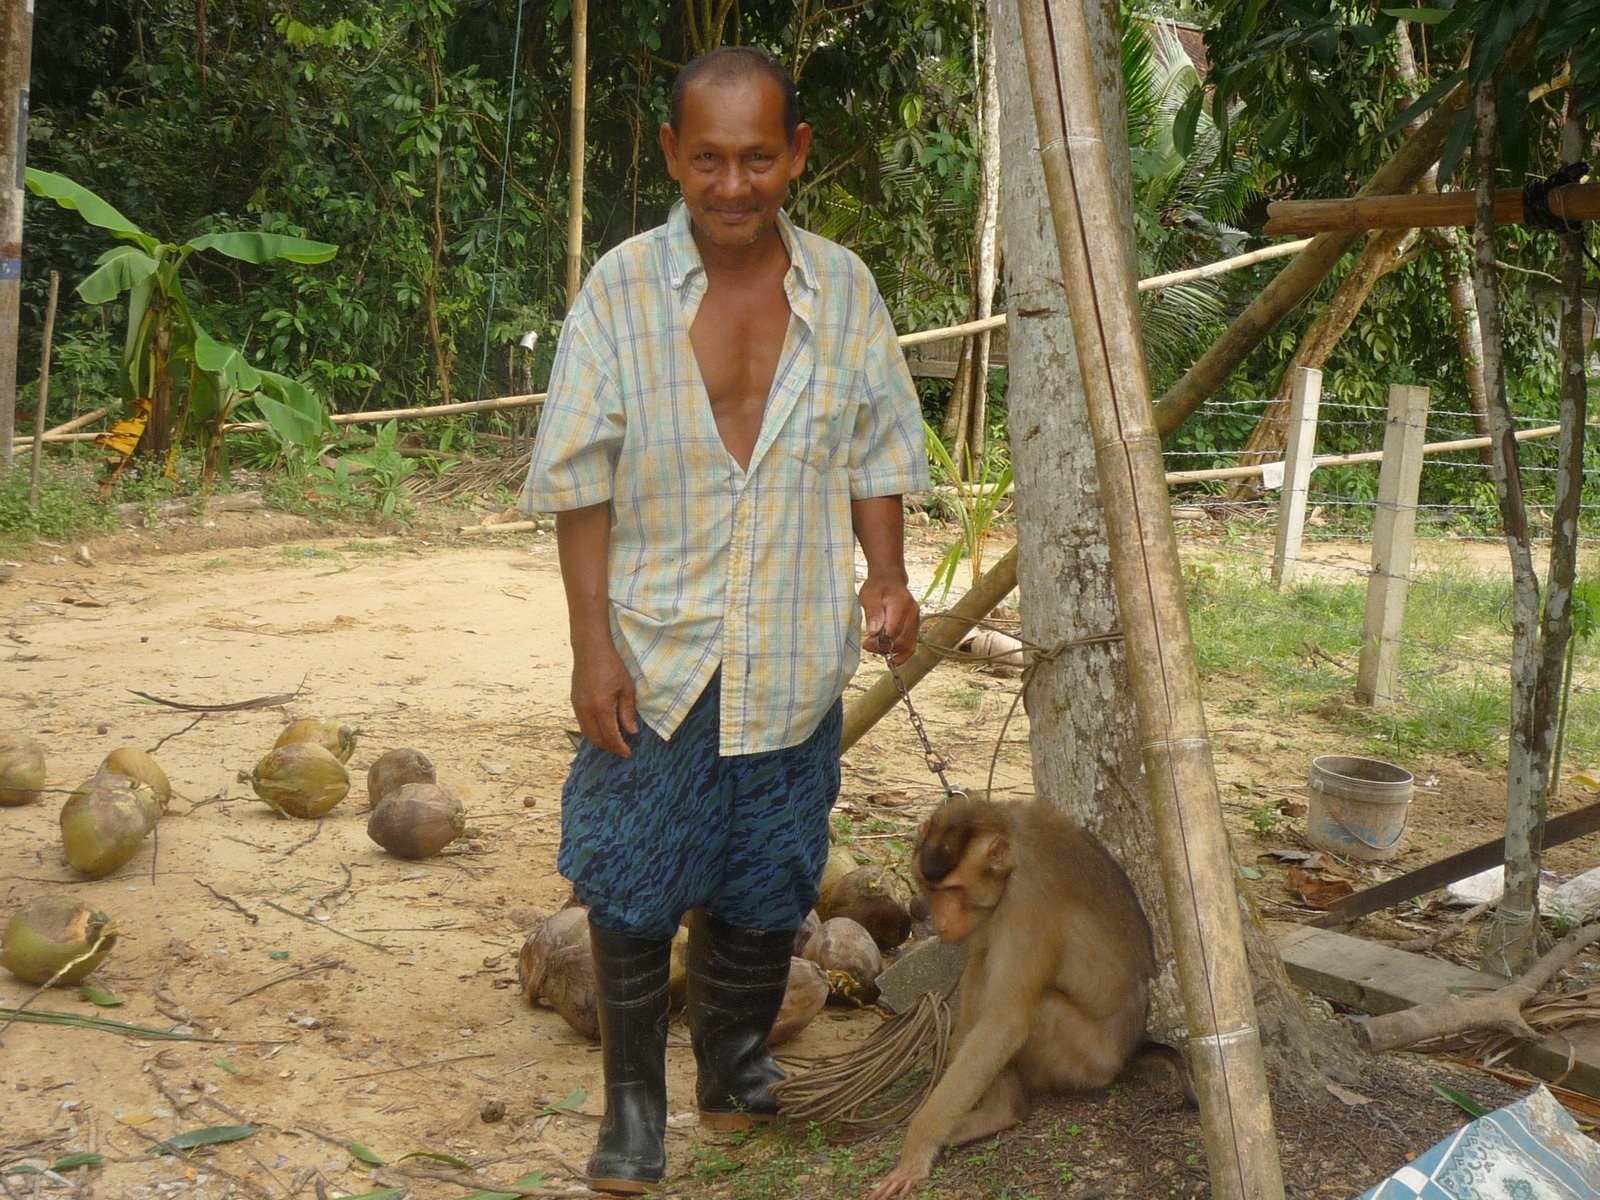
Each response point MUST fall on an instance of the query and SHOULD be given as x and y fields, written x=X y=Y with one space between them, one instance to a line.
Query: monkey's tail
x=1160 y=1064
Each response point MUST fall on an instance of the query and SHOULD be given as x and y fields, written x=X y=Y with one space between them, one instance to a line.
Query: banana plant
x=163 y=330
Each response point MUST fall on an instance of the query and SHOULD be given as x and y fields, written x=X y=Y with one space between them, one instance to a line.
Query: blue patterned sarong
x=675 y=826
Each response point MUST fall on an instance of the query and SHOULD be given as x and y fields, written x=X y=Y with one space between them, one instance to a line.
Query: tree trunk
x=1511 y=939
x=1086 y=757
x=1454 y=265
x=1384 y=251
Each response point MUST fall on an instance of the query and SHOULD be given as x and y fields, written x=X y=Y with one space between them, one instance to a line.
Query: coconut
x=678 y=968
x=135 y=764
x=870 y=897
x=564 y=927
x=851 y=958
x=416 y=821
x=300 y=779
x=48 y=932
x=149 y=804
x=21 y=769
x=396 y=768
x=570 y=988
x=802 y=1000
x=103 y=822
x=840 y=863
x=336 y=738
x=808 y=929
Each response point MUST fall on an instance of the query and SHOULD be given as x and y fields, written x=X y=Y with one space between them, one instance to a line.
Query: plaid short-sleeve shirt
x=710 y=564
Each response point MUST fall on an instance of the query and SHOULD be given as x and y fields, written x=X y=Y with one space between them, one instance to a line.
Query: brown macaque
x=1057 y=985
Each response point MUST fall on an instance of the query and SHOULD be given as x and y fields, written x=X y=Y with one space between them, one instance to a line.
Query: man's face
x=731 y=158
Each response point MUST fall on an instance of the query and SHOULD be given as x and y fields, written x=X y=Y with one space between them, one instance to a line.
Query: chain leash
x=935 y=760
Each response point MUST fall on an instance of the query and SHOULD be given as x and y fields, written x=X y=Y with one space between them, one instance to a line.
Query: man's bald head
x=732 y=64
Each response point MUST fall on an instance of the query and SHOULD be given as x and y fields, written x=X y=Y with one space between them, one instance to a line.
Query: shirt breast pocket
x=821 y=437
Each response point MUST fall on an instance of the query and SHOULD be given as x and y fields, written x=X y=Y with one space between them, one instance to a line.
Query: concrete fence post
x=1399 y=477
x=1304 y=399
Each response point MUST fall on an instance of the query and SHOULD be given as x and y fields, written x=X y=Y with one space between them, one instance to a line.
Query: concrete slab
x=926 y=966
x=1374 y=978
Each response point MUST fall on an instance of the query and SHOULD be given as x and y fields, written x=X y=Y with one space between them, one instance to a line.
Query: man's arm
x=602 y=690
x=890 y=608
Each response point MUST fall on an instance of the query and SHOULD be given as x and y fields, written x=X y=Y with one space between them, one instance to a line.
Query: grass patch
x=1303 y=646
x=70 y=504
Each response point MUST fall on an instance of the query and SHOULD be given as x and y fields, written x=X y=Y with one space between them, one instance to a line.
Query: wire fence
x=1451 y=687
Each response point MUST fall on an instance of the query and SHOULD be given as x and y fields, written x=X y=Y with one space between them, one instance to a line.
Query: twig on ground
x=433 y=1062
x=289 y=912
x=232 y=903
x=180 y=733
x=1447 y=931
x=326 y=964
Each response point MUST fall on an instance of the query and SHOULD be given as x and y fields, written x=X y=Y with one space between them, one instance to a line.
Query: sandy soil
x=329 y=994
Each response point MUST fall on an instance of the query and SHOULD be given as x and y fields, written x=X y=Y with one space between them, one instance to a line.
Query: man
x=728 y=409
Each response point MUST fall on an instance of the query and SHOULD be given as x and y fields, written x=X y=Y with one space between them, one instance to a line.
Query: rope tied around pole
x=1536 y=210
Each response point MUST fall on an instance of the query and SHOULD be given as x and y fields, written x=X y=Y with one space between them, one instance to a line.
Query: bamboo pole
x=580 y=88
x=1365 y=456
x=1420 y=210
x=44 y=389
x=1197 y=867
x=947 y=629
x=1156 y=282
x=1310 y=267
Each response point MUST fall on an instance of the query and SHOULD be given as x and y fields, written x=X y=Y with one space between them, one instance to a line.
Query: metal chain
x=935 y=760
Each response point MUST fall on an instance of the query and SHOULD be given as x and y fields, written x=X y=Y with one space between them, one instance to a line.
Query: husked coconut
x=103 y=822
x=808 y=929
x=21 y=769
x=570 y=988
x=50 y=931
x=840 y=863
x=870 y=897
x=564 y=927
x=851 y=959
x=416 y=821
x=396 y=768
x=803 y=999
x=300 y=779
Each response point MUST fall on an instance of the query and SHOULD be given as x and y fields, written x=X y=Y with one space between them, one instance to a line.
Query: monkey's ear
x=997 y=858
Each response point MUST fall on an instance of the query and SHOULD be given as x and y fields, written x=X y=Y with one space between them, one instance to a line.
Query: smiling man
x=729 y=415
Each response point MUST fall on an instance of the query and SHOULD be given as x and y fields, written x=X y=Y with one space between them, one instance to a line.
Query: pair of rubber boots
x=737 y=979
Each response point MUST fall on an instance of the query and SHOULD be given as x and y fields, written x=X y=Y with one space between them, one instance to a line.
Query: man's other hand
x=603 y=700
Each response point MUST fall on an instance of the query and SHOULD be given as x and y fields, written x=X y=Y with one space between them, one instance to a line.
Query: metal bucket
x=1358 y=806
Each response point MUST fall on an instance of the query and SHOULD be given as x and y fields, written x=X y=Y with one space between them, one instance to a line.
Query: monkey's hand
x=907 y=1174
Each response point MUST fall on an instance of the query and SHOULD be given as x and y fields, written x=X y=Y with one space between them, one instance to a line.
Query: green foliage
x=69 y=505
x=163 y=331
x=978 y=498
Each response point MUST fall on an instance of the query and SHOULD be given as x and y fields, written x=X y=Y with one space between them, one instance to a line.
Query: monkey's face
x=964 y=877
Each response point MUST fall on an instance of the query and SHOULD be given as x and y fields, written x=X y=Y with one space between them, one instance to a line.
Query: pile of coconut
x=56 y=939
x=861 y=915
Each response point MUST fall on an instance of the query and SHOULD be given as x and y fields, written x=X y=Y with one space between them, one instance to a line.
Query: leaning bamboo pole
x=1196 y=865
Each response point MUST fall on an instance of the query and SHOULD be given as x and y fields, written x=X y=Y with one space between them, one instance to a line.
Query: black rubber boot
x=631 y=976
x=737 y=978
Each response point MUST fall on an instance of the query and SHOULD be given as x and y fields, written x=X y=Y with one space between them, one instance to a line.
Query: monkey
x=1056 y=989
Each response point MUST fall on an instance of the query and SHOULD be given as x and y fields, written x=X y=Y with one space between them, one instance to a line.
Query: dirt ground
x=329 y=995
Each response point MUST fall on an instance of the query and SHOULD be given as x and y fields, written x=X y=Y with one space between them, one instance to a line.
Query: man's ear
x=669 y=148
x=799 y=148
